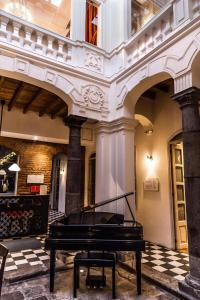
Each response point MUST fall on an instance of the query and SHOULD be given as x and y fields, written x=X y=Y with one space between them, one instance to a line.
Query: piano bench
x=93 y=259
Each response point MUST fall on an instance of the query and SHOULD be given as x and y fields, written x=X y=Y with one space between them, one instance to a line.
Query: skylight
x=55 y=2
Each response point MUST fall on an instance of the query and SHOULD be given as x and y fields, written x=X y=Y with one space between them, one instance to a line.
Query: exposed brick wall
x=34 y=158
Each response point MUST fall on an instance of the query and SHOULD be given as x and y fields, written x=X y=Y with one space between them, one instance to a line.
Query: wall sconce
x=62 y=168
x=14 y=168
x=149 y=132
x=150 y=157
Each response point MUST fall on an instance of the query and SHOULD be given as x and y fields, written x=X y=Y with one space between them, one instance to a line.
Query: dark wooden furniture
x=23 y=215
x=3 y=255
x=93 y=259
x=98 y=231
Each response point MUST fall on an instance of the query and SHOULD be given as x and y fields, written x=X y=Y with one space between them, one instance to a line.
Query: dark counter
x=23 y=215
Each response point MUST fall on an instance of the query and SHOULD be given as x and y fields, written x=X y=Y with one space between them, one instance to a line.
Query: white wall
x=155 y=209
x=27 y=126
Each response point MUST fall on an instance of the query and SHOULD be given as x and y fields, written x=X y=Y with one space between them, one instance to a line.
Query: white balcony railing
x=22 y=34
x=151 y=35
x=34 y=40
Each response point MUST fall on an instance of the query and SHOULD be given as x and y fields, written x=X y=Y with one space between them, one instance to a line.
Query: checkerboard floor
x=166 y=261
x=31 y=257
x=170 y=262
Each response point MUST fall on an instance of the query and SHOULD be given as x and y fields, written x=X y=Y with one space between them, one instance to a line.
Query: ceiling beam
x=33 y=98
x=62 y=107
x=163 y=87
x=2 y=81
x=64 y=113
x=48 y=107
x=15 y=95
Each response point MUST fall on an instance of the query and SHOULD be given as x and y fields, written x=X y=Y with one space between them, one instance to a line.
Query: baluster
x=158 y=36
x=167 y=28
x=143 y=45
x=15 y=37
x=150 y=42
x=50 y=51
x=196 y=8
x=60 y=53
x=27 y=39
x=38 y=45
x=3 y=27
x=135 y=53
x=67 y=52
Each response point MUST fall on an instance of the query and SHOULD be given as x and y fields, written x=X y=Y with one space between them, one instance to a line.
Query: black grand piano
x=96 y=230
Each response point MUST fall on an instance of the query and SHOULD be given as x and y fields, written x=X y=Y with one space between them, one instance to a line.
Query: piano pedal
x=95 y=281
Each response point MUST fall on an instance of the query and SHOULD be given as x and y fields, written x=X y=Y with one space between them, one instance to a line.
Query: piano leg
x=76 y=269
x=113 y=282
x=138 y=271
x=78 y=277
x=52 y=269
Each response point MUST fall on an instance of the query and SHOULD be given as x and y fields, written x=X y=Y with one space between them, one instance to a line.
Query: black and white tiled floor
x=166 y=261
x=170 y=262
x=31 y=257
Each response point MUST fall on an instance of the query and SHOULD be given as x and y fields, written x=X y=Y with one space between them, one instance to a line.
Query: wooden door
x=91 y=183
x=179 y=196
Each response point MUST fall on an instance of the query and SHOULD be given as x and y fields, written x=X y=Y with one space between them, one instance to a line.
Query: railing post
x=182 y=11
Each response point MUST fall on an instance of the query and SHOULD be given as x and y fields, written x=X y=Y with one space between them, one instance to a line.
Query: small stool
x=93 y=259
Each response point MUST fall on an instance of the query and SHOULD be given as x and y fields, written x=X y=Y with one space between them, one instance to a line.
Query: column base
x=190 y=287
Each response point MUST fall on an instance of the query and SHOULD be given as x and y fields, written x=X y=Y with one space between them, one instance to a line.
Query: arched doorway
x=178 y=192
x=92 y=179
x=59 y=178
x=34 y=126
x=8 y=179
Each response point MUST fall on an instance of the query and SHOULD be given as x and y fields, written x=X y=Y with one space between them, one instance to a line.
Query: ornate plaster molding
x=94 y=98
x=121 y=124
x=94 y=61
x=183 y=82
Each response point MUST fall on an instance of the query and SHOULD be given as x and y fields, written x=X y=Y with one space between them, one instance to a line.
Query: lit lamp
x=14 y=167
x=150 y=157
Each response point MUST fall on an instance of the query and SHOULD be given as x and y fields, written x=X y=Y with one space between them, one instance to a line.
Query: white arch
x=161 y=68
x=145 y=122
x=48 y=79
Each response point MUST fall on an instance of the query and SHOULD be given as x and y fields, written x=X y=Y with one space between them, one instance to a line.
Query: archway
x=196 y=71
x=58 y=184
x=8 y=179
x=158 y=118
x=92 y=179
x=34 y=127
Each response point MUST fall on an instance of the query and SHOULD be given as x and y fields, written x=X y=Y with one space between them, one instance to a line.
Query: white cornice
x=122 y=124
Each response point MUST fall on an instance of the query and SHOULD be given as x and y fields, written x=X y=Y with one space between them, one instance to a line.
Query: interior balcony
x=30 y=41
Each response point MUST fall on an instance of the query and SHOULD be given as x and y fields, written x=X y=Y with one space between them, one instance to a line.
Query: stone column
x=189 y=104
x=74 y=164
x=115 y=173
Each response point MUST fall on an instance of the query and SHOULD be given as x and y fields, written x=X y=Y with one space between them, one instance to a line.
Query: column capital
x=116 y=125
x=187 y=97
x=74 y=121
